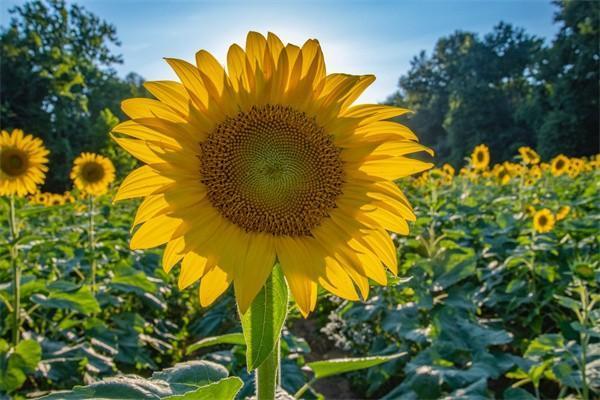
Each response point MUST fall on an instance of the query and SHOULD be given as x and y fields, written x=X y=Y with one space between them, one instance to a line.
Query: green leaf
x=225 y=389
x=545 y=344
x=15 y=365
x=323 y=369
x=121 y=388
x=517 y=394
x=196 y=373
x=131 y=280
x=228 y=338
x=264 y=320
x=82 y=301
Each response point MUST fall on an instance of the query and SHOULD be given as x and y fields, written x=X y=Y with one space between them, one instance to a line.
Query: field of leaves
x=484 y=305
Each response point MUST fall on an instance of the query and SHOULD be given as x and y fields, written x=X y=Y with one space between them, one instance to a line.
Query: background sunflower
x=92 y=173
x=23 y=161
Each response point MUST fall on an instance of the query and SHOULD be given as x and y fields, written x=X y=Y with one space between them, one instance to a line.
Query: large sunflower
x=23 y=160
x=268 y=161
x=92 y=173
x=480 y=159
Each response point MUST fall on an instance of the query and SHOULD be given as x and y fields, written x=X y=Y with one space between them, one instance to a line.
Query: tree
x=569 y=89
x=57 y=80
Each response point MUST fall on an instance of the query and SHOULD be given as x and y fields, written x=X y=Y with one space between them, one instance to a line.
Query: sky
x=357 y=37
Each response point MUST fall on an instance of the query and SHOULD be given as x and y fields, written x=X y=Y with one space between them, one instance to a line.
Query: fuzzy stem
x=16 y=273
x=267 y=373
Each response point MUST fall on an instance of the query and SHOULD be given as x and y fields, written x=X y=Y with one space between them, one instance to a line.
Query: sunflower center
x=13 y=162
x=480 y=156
x=272 y=170
x=560 y=164
x=92 y=172
x=543 y=220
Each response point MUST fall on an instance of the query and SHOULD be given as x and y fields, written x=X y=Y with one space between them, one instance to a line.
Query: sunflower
x=502 y=173
x=23 y=160
x=562 y=213
x=576 y=165
x=529 y=156
x=559 y=165
x=268 y=162
x=543 y=221
x=92 y=173
x=480 y=158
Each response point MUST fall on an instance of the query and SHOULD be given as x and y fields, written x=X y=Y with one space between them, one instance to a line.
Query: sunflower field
x=496 y=297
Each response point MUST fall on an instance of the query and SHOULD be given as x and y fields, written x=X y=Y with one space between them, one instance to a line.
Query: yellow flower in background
x=92 y=173
x=559 y=165
x=480 y=158
x=268 y=161
x=543 y=221
x=530 y=210
x=23 y=160
x=448 y=169
x=55 y=199
x=528 y=155
x=535 y=172
x=562 y=213
x=502 y=173
x=575 y=167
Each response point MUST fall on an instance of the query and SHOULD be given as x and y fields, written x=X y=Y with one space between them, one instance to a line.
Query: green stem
x=584 y=339
x=267 y=373
x=304 y=388
x=16 y=272
x=92 y=242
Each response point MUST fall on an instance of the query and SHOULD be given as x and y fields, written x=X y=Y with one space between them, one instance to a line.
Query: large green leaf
x=82 y=301
x=16 y=364
x=326 y=368
x=264 y=320
x=225 y=389
x=228 y=338
x=196 y=373
x=194 y=380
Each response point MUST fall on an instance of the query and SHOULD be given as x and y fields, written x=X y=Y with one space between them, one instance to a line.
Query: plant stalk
x=92 y=243
x=16 y=273
x=267 y=375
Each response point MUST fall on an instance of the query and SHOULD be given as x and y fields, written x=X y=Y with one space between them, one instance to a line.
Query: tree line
x=509 y=89
x=506 y=89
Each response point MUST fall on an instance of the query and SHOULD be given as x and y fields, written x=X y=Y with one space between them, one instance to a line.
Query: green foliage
x=198 y=380
x=323 y=369
x=72 y=95
x=263 y=321
x=16 y=363
x=507 y=89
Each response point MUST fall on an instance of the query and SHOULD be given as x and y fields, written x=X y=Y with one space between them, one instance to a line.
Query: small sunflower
x=480 y=159
x=576 y=165
x=559 y=165
x=268 y=161
x=543 y=221
x=529 y=156
x=448 y=169
x=562 y=213
x=535 y=172
x=92 y=173
x=503 y=174
x=23 y=160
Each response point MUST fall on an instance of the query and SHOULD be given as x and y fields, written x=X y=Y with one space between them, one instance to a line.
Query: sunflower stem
x=267 y=373
x=16 y=272
x=92 y=243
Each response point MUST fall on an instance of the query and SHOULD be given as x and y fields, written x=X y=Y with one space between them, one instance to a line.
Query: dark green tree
x=57 y=80
x=467 y=92
x=569 y=90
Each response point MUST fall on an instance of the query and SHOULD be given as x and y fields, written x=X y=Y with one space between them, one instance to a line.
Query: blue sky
x=376 y=37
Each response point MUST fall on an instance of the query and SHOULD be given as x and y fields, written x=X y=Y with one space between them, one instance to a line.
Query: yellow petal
x=193 y=268
x=191 y=79
x=141 y=182
x=213 y=284
x=150 y=207
x=173 y=253
x=149 y=108
x=304 y=289
x=155 y=232
x=253 y=272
